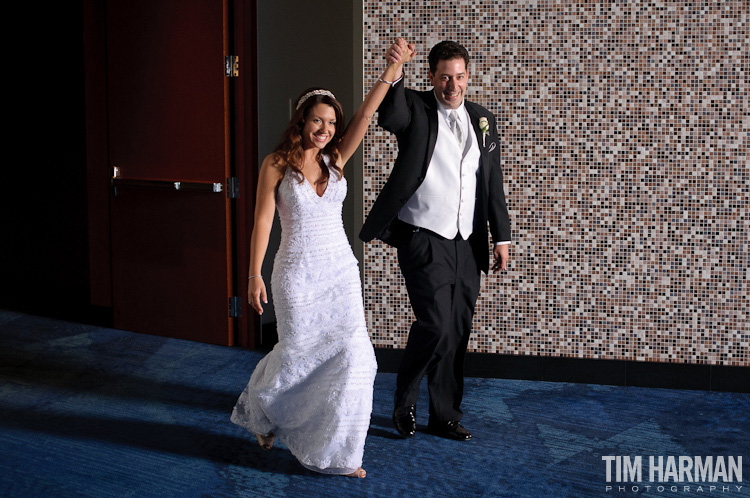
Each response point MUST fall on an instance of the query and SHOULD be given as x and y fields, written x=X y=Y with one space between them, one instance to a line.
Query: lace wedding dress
x=314 y=389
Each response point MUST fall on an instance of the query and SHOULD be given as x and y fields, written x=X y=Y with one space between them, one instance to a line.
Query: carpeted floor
x=92 y=412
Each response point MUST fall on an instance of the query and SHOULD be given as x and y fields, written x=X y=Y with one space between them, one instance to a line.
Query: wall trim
x=591 y=371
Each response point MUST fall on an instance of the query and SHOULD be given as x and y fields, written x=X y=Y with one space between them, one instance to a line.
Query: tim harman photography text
x=673 y=473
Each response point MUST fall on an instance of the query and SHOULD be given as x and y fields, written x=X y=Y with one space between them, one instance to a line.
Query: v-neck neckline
x=315 y=190
x=312 y=185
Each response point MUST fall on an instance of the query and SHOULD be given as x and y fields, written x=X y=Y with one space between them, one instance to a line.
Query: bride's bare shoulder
x=273 y=166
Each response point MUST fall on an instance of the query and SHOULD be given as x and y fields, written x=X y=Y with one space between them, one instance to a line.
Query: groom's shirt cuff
x=502 y=243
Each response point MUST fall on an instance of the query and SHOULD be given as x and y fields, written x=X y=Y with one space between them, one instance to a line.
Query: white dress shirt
x=444 y=202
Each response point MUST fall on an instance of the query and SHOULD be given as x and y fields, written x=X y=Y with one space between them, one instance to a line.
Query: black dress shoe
x=450 y=430
x=405 y=420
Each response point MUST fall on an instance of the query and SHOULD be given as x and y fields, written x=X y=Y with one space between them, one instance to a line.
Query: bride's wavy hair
x=290 y=152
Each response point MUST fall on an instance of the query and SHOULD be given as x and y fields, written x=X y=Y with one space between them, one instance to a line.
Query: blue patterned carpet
x=92 y=412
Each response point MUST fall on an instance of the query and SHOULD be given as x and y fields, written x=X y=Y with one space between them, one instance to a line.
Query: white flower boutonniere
x=484 y=126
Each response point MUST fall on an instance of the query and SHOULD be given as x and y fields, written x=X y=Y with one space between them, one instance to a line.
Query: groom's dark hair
x=445 y=51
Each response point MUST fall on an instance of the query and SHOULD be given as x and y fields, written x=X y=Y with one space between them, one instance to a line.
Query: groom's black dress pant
x=442 y=279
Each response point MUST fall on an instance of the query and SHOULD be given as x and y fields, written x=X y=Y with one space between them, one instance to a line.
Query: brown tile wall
x=624 y=130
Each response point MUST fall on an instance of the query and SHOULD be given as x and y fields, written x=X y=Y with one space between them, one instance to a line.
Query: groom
x=446 y=184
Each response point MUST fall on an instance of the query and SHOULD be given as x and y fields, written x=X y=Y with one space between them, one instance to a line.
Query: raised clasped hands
x=400 y=52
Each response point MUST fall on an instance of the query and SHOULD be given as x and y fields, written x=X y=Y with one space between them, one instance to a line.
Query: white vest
x=444 y=202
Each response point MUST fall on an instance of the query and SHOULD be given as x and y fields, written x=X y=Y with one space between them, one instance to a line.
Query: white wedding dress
x=314 y=389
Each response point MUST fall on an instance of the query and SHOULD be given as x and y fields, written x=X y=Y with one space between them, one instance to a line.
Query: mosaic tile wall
x=625 y=133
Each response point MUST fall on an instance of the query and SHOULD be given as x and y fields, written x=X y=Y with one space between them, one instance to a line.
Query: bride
x=314 y=389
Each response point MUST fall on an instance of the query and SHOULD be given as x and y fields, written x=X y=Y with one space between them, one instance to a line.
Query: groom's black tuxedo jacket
x=413 y=117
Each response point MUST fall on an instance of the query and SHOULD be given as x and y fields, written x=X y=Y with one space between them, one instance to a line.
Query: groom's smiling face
x=450 y=80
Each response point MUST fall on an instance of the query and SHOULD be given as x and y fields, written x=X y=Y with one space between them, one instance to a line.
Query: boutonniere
x=484 y=126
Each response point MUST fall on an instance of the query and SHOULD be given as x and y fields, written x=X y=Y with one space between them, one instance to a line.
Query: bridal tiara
x=310 y=94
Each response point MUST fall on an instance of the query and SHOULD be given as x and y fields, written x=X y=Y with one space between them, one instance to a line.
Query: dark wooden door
x=169 y=140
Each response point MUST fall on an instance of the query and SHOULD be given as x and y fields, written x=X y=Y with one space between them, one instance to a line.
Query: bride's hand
x=400 y=52
x=256 y=292
x=408 y=53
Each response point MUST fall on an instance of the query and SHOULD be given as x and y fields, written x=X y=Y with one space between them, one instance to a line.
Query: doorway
x=168 y=239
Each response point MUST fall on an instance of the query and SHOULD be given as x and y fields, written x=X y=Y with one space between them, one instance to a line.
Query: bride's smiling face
x=320 y=126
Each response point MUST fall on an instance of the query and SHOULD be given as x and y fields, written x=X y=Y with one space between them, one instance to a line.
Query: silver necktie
x=455 y=128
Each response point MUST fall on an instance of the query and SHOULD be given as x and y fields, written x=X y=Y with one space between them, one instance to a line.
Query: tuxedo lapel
x=484 y=154
x=432 y=128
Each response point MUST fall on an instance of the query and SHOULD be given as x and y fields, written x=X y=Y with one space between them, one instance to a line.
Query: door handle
x=118 y=181
x=167 y=185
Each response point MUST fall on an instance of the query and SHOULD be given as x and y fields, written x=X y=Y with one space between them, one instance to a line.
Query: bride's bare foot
x=360 y=472
x=266 y=442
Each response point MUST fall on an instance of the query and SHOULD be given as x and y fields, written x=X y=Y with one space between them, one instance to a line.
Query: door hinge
x=233 y=187
x=231 y=66
x=235 y=307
